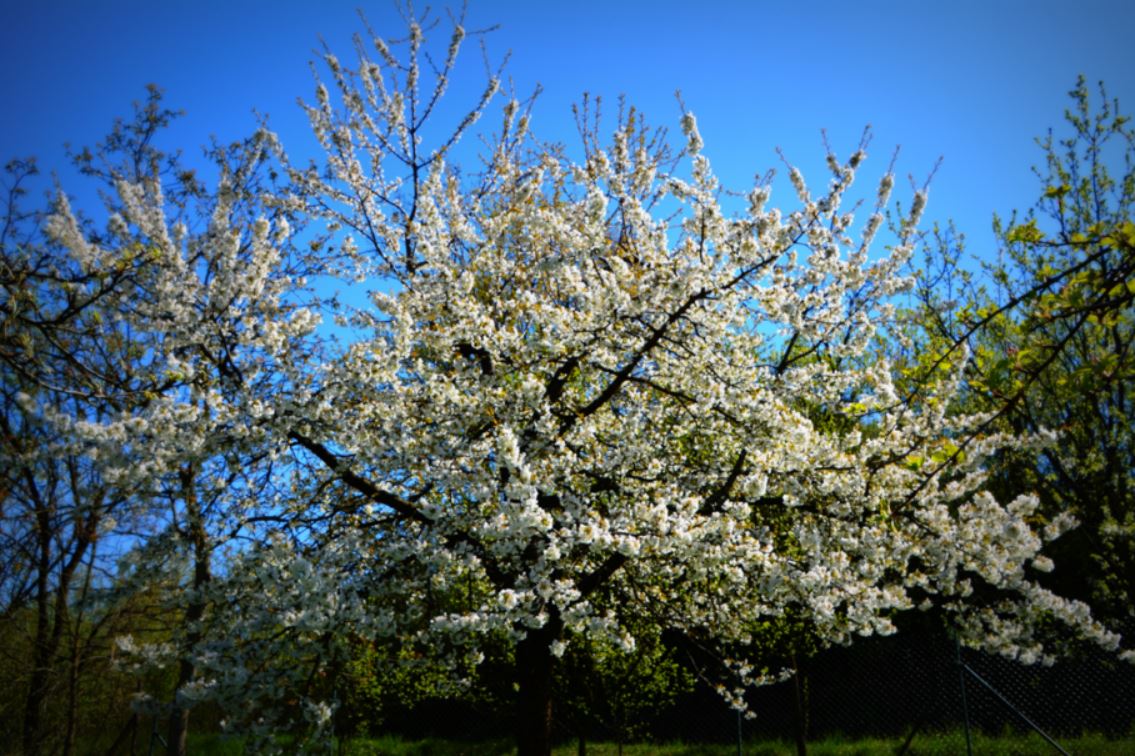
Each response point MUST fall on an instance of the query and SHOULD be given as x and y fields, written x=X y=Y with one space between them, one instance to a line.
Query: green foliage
x=384 y=683
x=1052 y=336
x=622 y=692
x=88 y=660
x=380 y=681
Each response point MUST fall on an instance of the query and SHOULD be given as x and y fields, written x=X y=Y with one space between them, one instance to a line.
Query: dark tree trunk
x=49 y=634
x=177 y=734
x=49 y=623
x=800 y=710
x=37 y=685
x=177 y=731
x=62 y=555
x=75 y=662
x=534 y=678
x=178 y=726
x=42 y=649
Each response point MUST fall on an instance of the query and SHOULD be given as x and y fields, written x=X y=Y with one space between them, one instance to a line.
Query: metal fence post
x=963 y=670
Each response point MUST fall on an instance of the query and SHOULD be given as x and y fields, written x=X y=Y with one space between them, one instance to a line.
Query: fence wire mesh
x=908 y=691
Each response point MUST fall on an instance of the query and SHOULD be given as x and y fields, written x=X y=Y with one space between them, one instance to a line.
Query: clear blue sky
x=969 y=80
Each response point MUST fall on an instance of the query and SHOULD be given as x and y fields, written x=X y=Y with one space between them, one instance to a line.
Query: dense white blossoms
x=581 y=392
x=574 y=395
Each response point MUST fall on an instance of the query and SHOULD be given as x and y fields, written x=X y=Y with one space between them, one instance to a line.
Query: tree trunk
x=37 y=685
x=534 y=678
x=49 y=634
x=75 y=661
x=800 y=710
x=49 y=534
x=177 y=732
x=69 y=730
x=42 y=648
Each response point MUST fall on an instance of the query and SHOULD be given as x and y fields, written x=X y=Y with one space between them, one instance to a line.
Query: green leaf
x=1026 y=233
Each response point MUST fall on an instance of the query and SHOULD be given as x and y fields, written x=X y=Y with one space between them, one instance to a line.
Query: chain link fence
x=921 y=693
x=906 y=690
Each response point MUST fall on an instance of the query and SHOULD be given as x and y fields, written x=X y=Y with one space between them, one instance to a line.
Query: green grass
x=936 y=744
x=399 y=747
x=925 y=744
x=214 y=745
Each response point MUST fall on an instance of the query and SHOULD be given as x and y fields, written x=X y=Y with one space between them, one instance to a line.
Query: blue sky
x=971 y=81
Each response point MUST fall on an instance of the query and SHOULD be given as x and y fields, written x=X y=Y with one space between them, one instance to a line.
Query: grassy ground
x=943 y=744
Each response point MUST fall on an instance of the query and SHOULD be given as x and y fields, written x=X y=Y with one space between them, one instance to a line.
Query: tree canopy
x=584 y=402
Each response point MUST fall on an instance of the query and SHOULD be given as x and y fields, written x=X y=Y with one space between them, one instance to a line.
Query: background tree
x=1052 y=332
x=58 y=358
x=225 y=305
x=150 y=334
